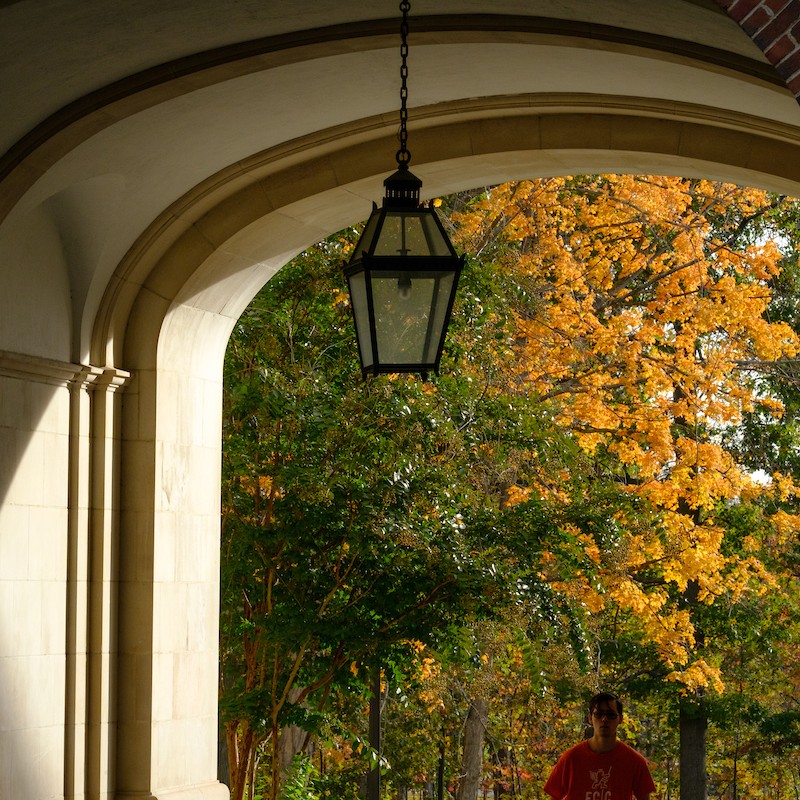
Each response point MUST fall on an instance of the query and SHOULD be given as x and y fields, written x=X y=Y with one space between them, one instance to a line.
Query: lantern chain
x=403 y=154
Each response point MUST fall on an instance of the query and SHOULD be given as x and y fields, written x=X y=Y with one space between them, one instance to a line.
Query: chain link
x=403 y=154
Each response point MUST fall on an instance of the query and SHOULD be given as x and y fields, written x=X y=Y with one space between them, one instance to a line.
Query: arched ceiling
x=59 y=51
x=114 y=113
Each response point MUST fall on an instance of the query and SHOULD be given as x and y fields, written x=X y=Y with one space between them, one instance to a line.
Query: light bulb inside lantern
x=404 y=287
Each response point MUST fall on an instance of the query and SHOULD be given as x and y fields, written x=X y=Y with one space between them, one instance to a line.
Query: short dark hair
x=605 y=697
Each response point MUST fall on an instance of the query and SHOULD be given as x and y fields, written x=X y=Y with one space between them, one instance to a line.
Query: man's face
x=605 y=720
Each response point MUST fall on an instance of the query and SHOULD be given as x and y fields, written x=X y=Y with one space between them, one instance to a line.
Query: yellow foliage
x=785 y=487
x=640 y=550
x=600 y=348
x=786 y=526
x=629 y=595
x=590 y=547
x=580 y=590
x=517 y=494
x=698 y=675
x=639 y=344
x=593 y=600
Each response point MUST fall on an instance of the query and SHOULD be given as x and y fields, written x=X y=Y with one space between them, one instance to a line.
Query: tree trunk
x=503 y=770
x=693 y=723
x=472 y=762
x=241 y=744
x=440 y=772
x=375 y=703
x=292 y=737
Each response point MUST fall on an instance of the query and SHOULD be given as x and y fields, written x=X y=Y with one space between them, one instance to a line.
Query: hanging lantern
x=404 y=271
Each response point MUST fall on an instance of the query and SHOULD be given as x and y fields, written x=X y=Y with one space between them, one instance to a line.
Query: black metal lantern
x=404 y=271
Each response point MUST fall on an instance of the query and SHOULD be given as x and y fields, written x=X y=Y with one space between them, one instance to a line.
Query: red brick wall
x=774 y=25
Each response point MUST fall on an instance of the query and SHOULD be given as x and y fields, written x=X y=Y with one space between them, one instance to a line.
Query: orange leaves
x=785 y=526
x=698 y=675
x=697 y=555
x=669 y=629
x=629 y=595
x=517 y=494
x=648 y=313
x=700 y=474
x=649 y=329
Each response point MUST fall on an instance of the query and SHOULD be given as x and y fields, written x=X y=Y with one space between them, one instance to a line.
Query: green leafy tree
x=336 y=542
x=346 y=507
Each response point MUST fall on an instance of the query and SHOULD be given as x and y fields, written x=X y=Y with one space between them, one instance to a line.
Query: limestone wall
x=35 y=560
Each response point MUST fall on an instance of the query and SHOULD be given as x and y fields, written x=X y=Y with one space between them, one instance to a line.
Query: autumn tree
x=649 y=300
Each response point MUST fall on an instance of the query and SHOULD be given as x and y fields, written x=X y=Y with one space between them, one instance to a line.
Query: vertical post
x=78 y=589
x=89 y=751
x=106 y=400
x=374 y=775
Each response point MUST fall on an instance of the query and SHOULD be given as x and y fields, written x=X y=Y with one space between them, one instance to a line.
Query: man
x=602 y=767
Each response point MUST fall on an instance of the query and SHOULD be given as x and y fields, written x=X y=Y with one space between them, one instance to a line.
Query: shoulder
x=576 y=751
x=625 y=751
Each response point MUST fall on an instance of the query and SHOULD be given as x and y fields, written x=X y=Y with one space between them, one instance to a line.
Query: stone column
x=91 y=583
x=169 y=572
x=45 y=500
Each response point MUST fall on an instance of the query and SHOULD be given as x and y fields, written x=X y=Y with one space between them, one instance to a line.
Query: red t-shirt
x=582 y=774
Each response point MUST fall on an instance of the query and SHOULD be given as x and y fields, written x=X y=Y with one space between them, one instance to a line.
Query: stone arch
x=109 y=409
x=187 y=286
x=547 y=134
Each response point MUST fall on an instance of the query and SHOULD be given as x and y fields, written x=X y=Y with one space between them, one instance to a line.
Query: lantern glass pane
x=410 y=309
x=367 y=235
x=358 y=297
x=412 y=233
x=444 y=289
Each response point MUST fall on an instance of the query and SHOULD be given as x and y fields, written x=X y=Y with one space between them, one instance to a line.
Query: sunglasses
x=605 y=714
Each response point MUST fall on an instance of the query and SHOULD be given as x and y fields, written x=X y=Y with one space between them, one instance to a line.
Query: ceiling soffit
x=32 y=154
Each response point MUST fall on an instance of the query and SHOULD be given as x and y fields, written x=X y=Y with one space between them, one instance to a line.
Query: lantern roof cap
x=402 y=189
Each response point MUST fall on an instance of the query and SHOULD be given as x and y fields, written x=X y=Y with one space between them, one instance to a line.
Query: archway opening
x=561 y=328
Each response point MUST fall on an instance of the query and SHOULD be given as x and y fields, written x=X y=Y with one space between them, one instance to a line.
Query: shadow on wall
x=34 y=590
